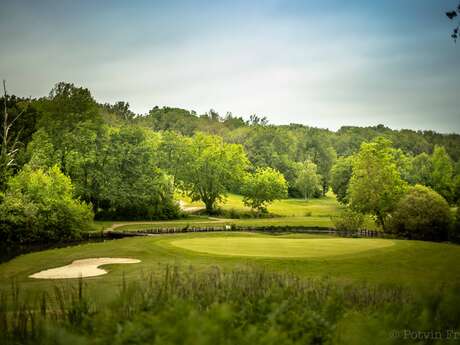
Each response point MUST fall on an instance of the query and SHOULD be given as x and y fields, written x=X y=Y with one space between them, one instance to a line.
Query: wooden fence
x=176 y=230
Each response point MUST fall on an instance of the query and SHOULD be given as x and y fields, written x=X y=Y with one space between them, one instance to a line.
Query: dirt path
x=189 y=209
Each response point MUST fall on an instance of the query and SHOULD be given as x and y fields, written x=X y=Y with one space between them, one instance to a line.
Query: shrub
x=421 y=214
x=39 y=206
x=348 y=220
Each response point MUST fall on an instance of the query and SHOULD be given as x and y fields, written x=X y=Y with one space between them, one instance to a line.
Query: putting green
x=280 y=247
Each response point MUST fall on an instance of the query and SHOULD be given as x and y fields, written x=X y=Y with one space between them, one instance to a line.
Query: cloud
x=323 y=65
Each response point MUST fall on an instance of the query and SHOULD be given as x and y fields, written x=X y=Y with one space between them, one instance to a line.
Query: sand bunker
x=82 y=268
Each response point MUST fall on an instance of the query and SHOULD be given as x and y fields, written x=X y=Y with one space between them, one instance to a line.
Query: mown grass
x=280 y=247
x=323 y=207
x=420 y=265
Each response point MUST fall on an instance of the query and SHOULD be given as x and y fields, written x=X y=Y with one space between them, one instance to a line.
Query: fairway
x=280 y=247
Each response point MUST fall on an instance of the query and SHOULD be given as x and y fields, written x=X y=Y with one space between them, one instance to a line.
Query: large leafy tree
x=442 y=173
x=421 y=169
x=84 y=160
x=18 y=119
x=340 y=178
x=376 y=185
x=307 y=180
x=263 y=187
x=64 y=111
x=132 y=185
x=207 y=168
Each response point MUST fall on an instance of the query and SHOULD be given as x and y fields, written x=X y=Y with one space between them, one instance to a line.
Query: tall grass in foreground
x=243 y=306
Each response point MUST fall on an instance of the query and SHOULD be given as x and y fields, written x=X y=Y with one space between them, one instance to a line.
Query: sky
x=320 y=63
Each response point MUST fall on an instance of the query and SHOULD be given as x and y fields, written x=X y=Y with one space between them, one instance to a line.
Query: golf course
x=319 y=205
x=376 y=261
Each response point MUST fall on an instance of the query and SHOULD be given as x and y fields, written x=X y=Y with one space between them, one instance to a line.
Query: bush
x=39 y=206
x=421 y=214
x=348 y=220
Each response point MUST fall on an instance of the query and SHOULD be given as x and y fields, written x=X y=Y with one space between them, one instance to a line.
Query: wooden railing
x=272 y=229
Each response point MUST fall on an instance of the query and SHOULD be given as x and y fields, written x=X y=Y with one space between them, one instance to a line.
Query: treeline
x=123 y=165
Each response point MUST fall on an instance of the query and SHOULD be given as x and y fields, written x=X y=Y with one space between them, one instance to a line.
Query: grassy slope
x=418 y=265
x=290 y=212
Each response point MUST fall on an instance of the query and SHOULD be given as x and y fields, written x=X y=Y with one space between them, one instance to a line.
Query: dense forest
x=66 y=158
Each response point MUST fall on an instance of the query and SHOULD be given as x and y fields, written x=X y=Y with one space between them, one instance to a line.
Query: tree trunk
x=209 y=206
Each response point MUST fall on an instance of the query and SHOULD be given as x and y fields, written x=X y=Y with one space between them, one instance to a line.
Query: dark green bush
x=421 y=214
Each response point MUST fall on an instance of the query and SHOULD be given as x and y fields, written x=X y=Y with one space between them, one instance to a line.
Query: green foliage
x=241 y=306
x=307 y=180
x=421 y=170
x=376 y=185
x=421 y=214
x=39 y=205
x=132 y=186
x=270 y=146
x=15 y=133
x=441 y=177
x=454 y=233
x=67 y=109
x=114 y=169
x=263 y=187
x=340 y=178
x=207 y=168
x=324 y=157
x=348 y=220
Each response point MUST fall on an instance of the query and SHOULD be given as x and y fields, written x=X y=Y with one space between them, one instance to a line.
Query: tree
x=340 y=178
x=270 y=146
x=421 y=214
x=132 y=185
x=421 y=170
x=307 y=180
x=376 y=185
x=442 y=174
x=451 y=15
x=17 y=126
x=39 y=205
x=209 y=168
x=121 y=110
x=263 y=187
x=63 y=112
x=324 y=157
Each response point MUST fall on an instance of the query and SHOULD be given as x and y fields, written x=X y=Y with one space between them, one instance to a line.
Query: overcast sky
x=319 y=63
